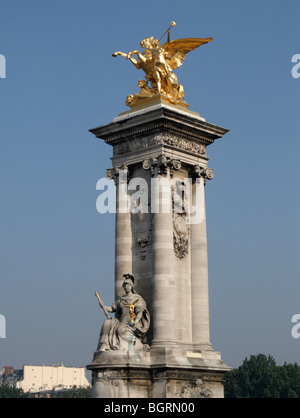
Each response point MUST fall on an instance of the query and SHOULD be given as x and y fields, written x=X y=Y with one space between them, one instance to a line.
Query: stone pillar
x=199 y=268
x=163 y=297
x=123 y=233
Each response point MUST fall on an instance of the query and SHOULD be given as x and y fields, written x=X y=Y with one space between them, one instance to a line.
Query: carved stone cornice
x=184 y=131
x=165 y=139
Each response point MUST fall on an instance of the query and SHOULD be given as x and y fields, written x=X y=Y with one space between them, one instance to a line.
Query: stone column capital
x=161 y=165
x=114 y=174
x=198 y=171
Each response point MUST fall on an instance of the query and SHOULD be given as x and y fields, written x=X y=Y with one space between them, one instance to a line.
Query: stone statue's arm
x=109 y=308
x=139 y=312
x=138 y=317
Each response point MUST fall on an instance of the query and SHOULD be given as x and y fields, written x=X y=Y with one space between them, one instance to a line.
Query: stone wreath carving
x=180 y=237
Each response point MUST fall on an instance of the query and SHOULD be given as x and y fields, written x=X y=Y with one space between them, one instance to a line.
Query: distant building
x=6 y=371
x=9 y=376
x=44 y=378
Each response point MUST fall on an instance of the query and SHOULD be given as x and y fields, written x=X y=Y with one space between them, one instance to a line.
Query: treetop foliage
x=260 y=377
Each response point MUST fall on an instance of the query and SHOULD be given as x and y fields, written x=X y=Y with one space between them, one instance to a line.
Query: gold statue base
x=145 y=100
x=155 y=100
x=140 y=100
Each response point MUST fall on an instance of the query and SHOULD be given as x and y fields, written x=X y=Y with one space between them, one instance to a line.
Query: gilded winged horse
x=158 y=63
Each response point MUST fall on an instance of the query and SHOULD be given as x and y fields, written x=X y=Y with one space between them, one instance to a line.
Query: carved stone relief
x=142 y=233
x=180 y=237
x=149 y=141
x=196 y=389
x=180 y=227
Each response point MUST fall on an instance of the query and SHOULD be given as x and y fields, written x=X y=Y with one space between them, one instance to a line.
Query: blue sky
x=56 y=250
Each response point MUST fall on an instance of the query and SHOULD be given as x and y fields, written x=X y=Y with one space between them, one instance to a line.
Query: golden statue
x=158 y=63
x=131 y=309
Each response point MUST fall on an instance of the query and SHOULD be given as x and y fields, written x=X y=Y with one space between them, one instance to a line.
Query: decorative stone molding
x=183 y=144
x=139 y=132
x=159 y=120
x=142 y=143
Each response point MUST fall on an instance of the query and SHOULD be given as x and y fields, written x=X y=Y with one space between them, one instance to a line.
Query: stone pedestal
x=160 y=373
x=165 y=248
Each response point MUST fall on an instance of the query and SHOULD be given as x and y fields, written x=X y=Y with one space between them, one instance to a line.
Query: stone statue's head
x=129 y=278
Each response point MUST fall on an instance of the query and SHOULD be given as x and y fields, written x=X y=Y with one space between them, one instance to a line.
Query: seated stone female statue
x=127 y=330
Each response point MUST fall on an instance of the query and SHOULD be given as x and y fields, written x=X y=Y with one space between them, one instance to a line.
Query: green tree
x=260 y=377
x=75 y=393
x=11 y=392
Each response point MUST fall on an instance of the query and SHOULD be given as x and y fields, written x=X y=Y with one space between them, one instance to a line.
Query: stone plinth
x=166 y=251
x=121 y=375
x=160 y=373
